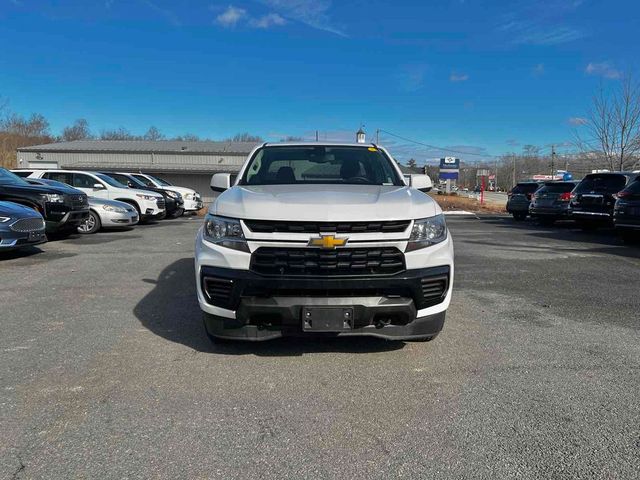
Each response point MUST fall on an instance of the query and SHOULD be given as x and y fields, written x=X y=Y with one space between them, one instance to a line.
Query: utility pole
x=514 y=170
x=495 y=178
x=316 y=135
x=378 y=136
x=553 y=160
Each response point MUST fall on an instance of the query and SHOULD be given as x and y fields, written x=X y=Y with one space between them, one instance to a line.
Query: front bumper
x=193 y=205
x=10 y=240
x=420 y=328
x=118 y=219
x=71 y=219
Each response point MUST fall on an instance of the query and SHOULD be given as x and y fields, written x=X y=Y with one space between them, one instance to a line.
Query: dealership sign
x=449 y=168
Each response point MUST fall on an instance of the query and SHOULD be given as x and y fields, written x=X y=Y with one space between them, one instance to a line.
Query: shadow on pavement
x=605 y=240
x=171 y=311
x=20 y=253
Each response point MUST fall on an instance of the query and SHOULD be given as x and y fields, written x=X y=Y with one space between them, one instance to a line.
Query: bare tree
x=118 y=134
x=188 y=137
x=411 y=163
x=153 y=134
x=245 y=137
x=78 y=131
x=613 y=126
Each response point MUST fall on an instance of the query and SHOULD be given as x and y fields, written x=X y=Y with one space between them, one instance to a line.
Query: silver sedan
x=108 y=214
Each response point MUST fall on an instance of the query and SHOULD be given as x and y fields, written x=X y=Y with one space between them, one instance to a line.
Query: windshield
x=320 y=165
x=110 y=181
x=602 y=184
x=525 y=188
x=8 y=178
x=633 y=187
x=162 y=182
x=557 y=187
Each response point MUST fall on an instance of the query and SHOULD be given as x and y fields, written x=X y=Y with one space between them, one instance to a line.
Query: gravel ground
x=106 y=372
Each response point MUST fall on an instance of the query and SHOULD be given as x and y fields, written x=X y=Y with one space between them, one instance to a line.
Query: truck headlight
x=427 y=232
x=147 y=197
x=189 y=196
x=53 y=197
x=4 y=219
x=226 y=232
x=172 y=194
x=111 y=208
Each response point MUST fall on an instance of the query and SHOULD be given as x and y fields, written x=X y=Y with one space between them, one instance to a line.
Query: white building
x=188 y=164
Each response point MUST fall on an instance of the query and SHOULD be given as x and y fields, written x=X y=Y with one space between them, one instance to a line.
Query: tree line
x=17 y=131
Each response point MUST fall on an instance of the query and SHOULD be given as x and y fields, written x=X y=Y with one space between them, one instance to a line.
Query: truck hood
x=328 y=203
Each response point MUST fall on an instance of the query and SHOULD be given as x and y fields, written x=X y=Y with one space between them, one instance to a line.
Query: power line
x=434 y=147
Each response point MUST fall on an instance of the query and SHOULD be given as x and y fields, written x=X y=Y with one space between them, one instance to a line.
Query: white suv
x=150 y=205
x=192 y=199
x=323 y=239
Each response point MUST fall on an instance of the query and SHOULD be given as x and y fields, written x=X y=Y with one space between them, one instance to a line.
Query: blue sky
x=478 y=76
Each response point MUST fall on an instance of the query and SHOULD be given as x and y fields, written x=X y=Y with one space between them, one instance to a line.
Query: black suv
x=593 y=200
x=626 y=213
x=174 y=203
x=551 y=201
x=520 y=198
x=60 y=209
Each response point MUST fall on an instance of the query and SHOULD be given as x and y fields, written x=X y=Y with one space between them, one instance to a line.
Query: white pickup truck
x=323 y=239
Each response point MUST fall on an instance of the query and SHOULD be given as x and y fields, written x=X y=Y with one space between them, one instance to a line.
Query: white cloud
x=539 y=33
x=538 y=69
x=577 y=121
x=603 y=69
x=455 y=77
x=411 y=77
x=313 y=13
x=231 y=16
x=267 y=21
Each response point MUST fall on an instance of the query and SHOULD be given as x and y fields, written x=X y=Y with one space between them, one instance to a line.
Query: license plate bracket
x=35 y=236
x=327 y=319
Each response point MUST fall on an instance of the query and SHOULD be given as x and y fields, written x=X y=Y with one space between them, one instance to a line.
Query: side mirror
x=220 y=182
x=421 y=182
x=98 y=186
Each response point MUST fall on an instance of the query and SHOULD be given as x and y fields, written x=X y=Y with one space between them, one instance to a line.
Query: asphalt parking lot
x=106 y=371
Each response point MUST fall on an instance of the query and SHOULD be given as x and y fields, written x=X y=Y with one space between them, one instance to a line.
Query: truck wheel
x=91 y=224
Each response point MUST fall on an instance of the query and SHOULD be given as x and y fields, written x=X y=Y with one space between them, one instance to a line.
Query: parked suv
x=323 y=239
x=192 y=199
x=60 y=209
x=150 y=205
x=519 y=199
x=626 y=213
x=593 y=200
x=174 y=203
x=551 y=201
x=20 y=226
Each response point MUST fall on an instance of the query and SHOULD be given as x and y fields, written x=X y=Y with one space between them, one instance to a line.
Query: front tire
x=177 y=213
x=90 y=225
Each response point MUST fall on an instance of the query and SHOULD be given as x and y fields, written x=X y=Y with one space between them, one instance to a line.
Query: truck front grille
x=266 y=226
x=161 y=203
x=77 y=200
x=24 y=225
x=318 y=262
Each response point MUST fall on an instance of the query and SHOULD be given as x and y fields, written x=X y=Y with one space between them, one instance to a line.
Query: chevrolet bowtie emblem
x=328 y=242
